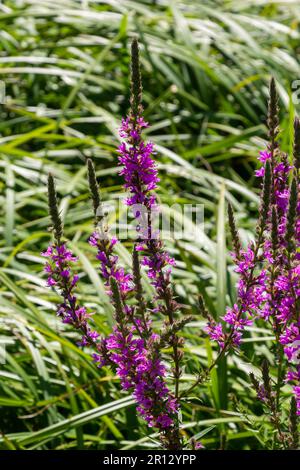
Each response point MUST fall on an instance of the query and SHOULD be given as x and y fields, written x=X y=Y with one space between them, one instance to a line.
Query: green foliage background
x=206 y=67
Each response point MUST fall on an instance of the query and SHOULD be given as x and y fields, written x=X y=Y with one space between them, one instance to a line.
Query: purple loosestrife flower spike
x=133 y=348
x=53 y=210
x=273 y=126
x=278 y=299
x=59 y=271
x=140 y=175
x=105 y=245
x=296 y=147
x=250 y=286
x=234 y=233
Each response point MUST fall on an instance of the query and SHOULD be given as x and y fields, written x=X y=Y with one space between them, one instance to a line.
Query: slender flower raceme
x=134 y=347
x=104 y=244
x=59 y=272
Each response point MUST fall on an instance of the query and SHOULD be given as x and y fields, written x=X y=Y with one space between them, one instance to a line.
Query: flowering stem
x=279 y=373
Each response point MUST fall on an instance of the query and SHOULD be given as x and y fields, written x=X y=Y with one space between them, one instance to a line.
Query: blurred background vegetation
x=206 y=67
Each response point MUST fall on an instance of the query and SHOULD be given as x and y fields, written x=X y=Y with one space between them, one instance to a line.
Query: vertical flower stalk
x=140 y=175
x=269 y=271
x=281 y=252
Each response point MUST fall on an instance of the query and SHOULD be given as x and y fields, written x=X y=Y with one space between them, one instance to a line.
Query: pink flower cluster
x=139 y=169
